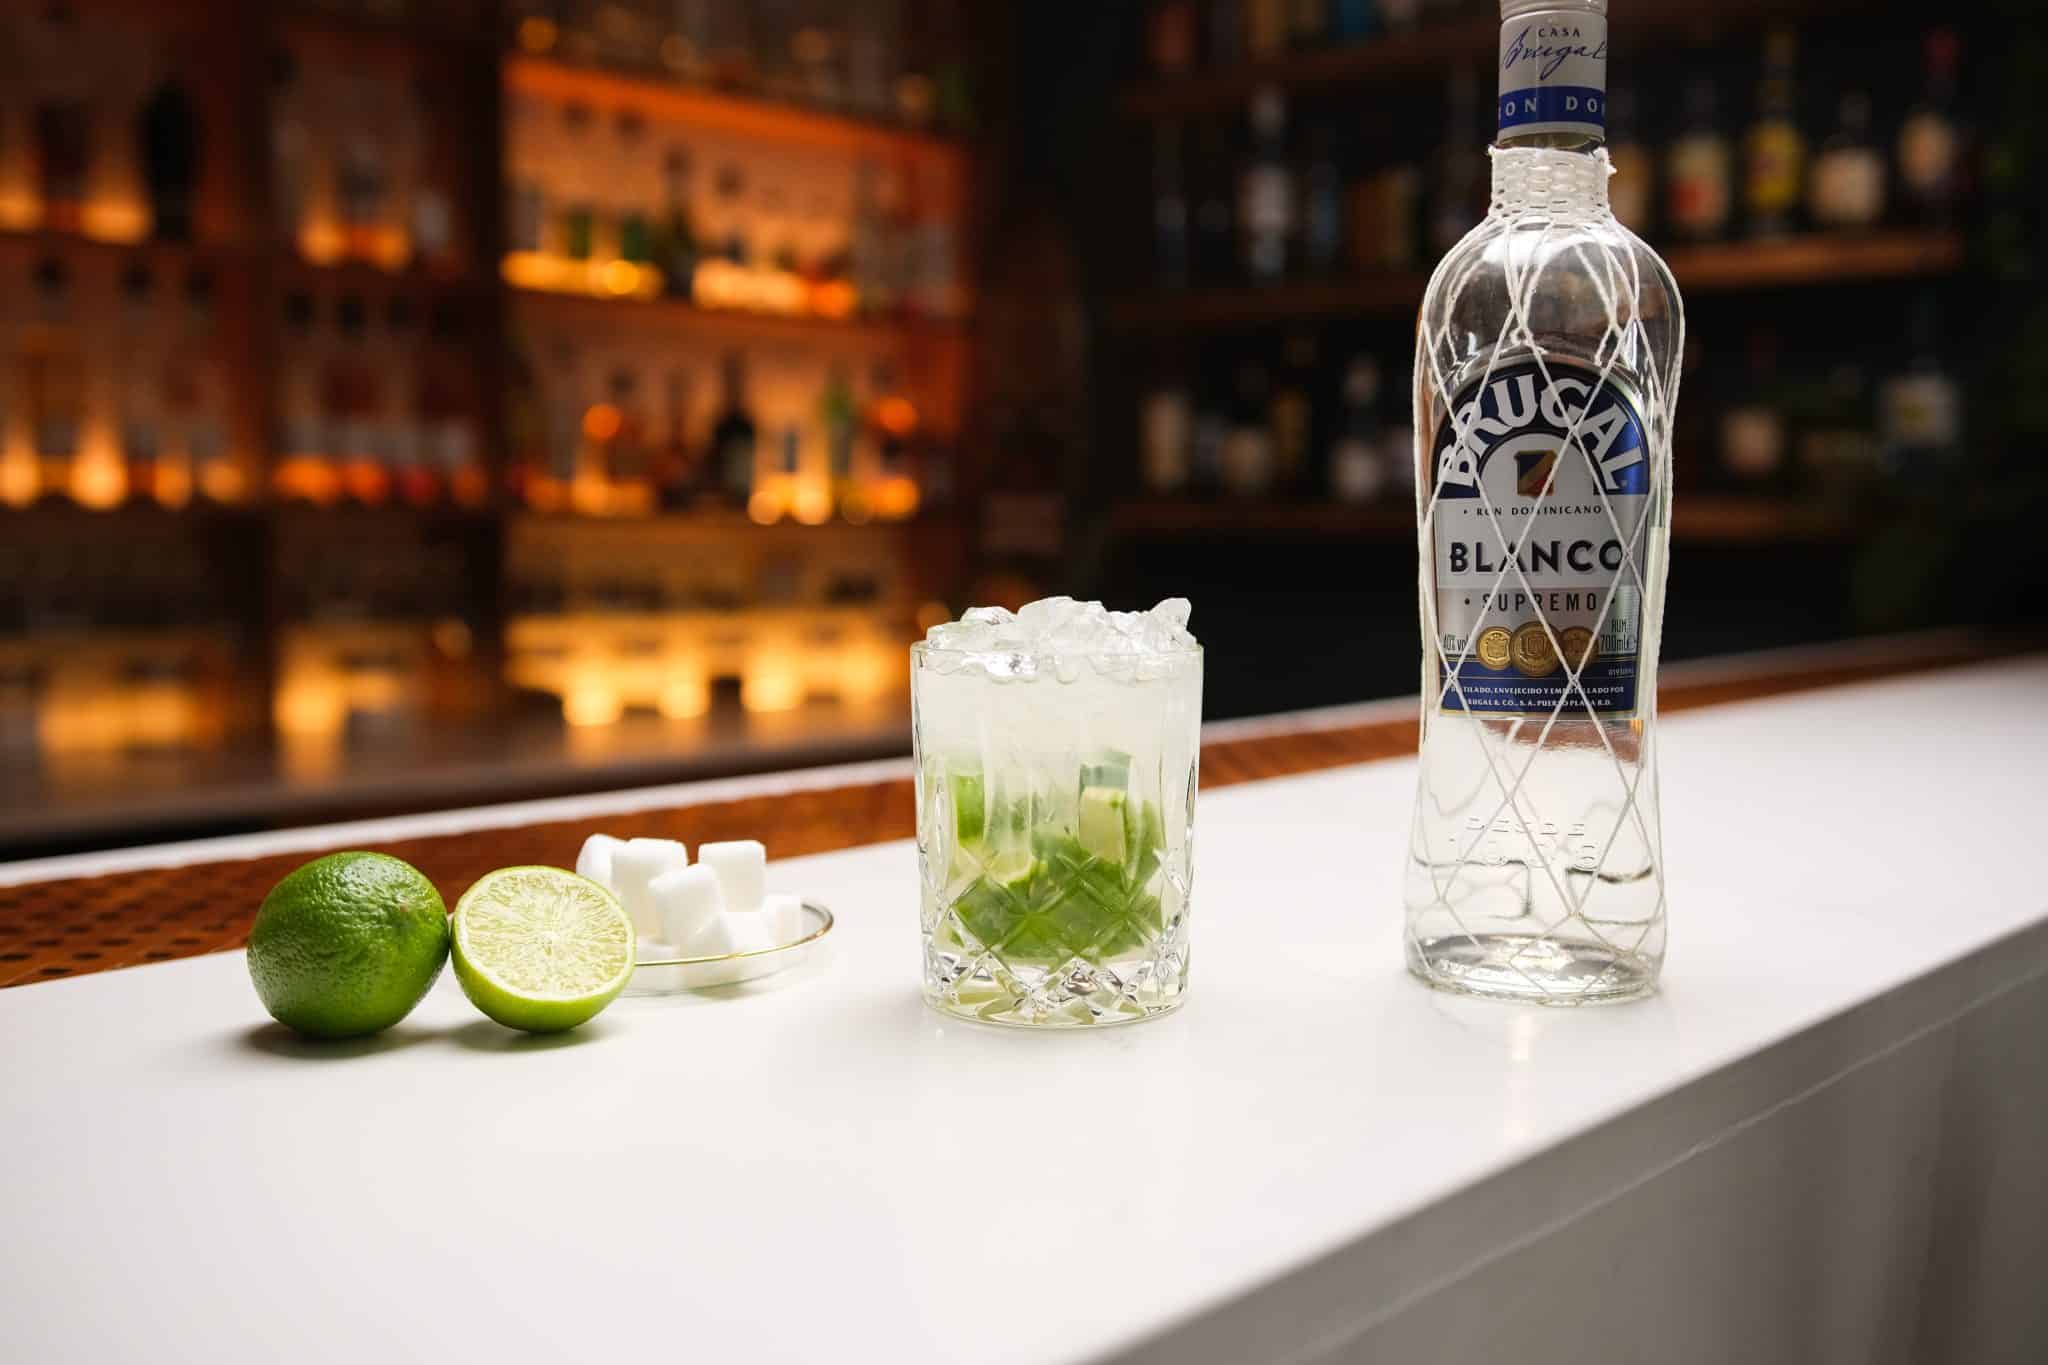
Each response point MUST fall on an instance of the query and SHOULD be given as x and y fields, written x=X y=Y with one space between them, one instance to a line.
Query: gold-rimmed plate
x=669 y=975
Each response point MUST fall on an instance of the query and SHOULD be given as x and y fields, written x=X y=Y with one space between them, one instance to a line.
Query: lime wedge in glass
x=1101 y=827
x=970 y=815
x=540 y=949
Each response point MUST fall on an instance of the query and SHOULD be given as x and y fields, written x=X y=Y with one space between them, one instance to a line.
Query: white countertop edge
x=1311 y=1310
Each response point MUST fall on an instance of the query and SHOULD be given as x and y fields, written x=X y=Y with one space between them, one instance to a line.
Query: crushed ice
x=1060 y=634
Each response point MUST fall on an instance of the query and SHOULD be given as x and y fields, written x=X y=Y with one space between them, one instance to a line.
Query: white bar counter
x=1823 y=1141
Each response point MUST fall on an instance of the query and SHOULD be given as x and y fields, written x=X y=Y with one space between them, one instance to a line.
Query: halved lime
x=540 y=949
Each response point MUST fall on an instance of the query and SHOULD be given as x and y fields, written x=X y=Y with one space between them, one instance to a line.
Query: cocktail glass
x=1056 y=777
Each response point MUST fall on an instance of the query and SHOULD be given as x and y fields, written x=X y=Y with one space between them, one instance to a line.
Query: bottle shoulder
x=1577 y=286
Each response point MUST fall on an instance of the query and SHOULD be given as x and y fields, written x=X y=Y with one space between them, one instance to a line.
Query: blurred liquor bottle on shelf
x=1266 y=26
x=305 y=469
x=1931 y=138
x=1752 y=434
x=1166 y=432
x=734 y=437
x=1836 y=422
x=53 y=380
x=1774 y=150
x=1170 y=230
x=675 y=246
x=450 y=408
x=1215 y=244
x=1170 y=37
x=1266 y=201
x=1291 y=417
x=62 y=117
x=1223 y=33
x=896 y=431
x=1848 y=186
x=349 y=399
x=1698 y=170
x=1400 y=16
x=1247 y=459
x=168 y=132
x=140 y=422
x=1322 y=206
x=839 y=422
x=1353 y=21
x=622 y=452
x=676 y=465
x=1457 y=197
x=1920 y=408
x=1631 y=190
x=399 y=419
x=196 y=393
x=1358 y=469
x=1308 y=23
x=1386 y=209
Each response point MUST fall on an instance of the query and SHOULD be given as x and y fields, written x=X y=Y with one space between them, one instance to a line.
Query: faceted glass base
x=1533 y=968
x=1076 y=995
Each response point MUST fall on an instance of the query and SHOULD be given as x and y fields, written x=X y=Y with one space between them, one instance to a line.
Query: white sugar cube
x=635 y=864
x=684 y=898
x=785 y=916
x=751 y=933
x=742 y=868
x=712 y=938
x=595 y=861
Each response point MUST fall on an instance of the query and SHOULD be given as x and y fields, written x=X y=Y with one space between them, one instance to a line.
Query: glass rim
x=920 y=648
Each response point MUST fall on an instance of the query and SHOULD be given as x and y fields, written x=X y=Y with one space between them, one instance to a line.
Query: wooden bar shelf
x=1781 y=263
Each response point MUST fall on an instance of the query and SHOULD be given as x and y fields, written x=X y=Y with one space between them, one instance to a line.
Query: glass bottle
x=1547 y=364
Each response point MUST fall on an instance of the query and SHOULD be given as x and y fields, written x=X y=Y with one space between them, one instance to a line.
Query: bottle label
x=1553 y=74
x=1542 y=497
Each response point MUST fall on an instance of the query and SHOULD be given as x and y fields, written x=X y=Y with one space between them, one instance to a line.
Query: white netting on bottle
x=1550 y=239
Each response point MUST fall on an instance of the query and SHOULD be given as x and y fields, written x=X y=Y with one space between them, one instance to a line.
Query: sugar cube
x=636 y=863
x=742 y=869
x=785 y=916
x=683 y=899
x=712 y=938
x=751 y=933
x=595 y=861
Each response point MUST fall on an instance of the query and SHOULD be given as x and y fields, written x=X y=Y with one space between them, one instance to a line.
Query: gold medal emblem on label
x=1534 y=655
x=1492 y=647
x=1577 y=646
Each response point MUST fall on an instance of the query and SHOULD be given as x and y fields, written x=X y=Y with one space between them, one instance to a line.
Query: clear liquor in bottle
x=1547 y=367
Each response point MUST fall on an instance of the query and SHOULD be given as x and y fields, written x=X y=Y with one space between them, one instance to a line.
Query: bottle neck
x=1553 y=78
x=1556 y=185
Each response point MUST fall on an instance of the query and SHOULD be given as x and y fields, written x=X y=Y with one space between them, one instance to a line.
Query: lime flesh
x=541 y=949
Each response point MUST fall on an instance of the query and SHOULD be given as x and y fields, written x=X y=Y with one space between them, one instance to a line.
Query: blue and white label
x=1543 y=484
x=1553 y=74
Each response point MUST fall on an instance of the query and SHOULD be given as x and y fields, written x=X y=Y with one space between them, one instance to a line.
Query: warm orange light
x=173 y=482
x=310 y=705
x=321 y=240
x=366 y=481
x=895 y=499
x=116 y=219
x=772 y=686
x=590 y=703
x=765 y=507
x=834 y=299
x=471 y=486
x=897 y=416
x=812 y=504
x=223 y=481
x=544 y=494
x=619 y=278
x=98 y=479
x=931 y=614
x=452 y=636
x=538 y=34
x=18 y=478
x=684 y=696
x=601 y=422
x=309 y=478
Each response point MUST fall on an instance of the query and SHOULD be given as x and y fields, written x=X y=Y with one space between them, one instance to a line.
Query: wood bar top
x=81 y=924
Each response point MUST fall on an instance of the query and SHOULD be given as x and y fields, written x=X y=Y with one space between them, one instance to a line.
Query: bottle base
x=1532 y=968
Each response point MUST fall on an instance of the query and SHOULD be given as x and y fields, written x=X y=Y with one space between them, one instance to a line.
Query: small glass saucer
x=671 y=975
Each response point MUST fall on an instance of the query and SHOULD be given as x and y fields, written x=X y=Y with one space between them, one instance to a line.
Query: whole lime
x=348 y=944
